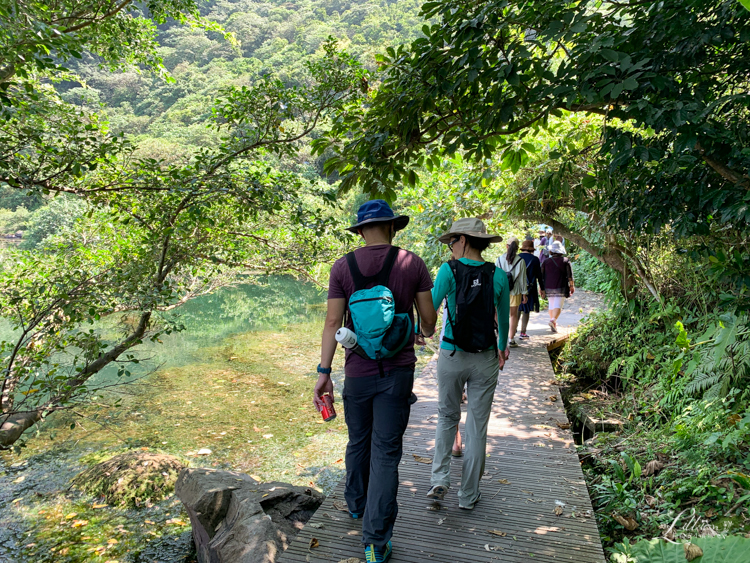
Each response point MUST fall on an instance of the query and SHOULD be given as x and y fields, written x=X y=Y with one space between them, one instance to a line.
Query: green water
x=269 y=303
x=265 y=303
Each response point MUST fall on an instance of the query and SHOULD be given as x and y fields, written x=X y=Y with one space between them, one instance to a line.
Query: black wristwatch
x=324 y=371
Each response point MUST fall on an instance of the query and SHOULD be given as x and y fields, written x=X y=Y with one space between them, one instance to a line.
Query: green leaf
x=740 y=478
x=630 y=83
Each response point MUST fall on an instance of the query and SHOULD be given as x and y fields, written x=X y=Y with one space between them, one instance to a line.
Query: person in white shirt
x=512 y=263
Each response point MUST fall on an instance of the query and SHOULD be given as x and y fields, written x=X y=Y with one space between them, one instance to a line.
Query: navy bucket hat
x=378 y=211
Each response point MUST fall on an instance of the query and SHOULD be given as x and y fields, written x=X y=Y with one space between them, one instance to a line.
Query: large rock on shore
x=235 y=519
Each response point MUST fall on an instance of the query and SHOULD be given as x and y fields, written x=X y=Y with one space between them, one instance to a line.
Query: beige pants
x=479 y=373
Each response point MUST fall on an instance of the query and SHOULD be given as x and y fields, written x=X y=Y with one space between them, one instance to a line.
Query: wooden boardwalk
x=532 y=471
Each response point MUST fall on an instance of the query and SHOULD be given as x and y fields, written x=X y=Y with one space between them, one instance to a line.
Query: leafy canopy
x=670 y=78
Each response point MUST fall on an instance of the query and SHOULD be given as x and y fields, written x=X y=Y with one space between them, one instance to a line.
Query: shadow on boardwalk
x=531 y=470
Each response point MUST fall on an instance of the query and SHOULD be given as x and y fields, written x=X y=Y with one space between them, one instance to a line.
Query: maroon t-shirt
x=409 y=276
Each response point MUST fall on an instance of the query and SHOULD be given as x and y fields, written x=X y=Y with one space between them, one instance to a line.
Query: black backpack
x=473 y=322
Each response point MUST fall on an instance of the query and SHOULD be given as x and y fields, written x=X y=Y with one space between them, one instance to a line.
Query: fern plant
x=725 y=364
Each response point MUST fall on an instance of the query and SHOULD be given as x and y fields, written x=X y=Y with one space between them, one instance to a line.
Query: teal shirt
x=445 y=286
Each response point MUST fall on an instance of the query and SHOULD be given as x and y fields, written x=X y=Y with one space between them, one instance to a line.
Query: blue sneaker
x=378 y=554
x=355 y=515
x=437 y=492
x=524 y=336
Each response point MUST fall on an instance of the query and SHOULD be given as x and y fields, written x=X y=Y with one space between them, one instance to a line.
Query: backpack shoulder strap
x=384 y=274
x=453 y=264
x=381 y=278
x=360 y=281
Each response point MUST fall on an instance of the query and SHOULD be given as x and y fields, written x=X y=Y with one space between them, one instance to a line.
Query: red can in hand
x=327 y=410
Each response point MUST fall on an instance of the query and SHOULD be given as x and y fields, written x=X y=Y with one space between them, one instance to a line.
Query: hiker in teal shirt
x=470 y=355
x=445 y=286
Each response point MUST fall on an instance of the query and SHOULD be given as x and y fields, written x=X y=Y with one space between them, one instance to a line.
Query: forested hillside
x=169 y=117
x=168 y=114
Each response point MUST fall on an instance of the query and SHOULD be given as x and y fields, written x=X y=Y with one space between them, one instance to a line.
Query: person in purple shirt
x=376 y=405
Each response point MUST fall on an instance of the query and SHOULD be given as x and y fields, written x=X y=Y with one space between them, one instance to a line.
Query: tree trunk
x=15 y=425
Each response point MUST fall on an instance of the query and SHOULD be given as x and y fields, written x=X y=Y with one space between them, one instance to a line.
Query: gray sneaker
x=437 y=492
x=479 y=497
x=513 y=343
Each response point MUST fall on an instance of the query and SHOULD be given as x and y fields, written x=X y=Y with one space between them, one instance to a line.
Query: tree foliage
x=670 y=78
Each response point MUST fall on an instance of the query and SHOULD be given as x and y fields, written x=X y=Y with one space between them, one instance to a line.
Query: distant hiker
x=470 y=354
x=515 y=267
x=539 y=241
x=377 y=392
x=558 y=281
x=544 y=248
x=533 y=276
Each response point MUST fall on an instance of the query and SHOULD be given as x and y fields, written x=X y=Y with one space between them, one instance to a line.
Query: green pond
x=236 y=381
x=274 y=303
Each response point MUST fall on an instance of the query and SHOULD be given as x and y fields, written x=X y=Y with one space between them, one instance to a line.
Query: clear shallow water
x=272 y=303
x=268 y=303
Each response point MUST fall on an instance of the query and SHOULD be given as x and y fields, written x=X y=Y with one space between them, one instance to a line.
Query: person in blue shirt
x=478 y=370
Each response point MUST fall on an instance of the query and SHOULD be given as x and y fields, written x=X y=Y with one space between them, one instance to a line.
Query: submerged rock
x=235 y=519
x=131 y=479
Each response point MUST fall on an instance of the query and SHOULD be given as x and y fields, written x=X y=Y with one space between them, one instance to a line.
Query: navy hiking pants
x=377 y=413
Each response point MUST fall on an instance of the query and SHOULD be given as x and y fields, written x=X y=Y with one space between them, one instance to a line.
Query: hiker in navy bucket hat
x=373 y=291
x=378 y=211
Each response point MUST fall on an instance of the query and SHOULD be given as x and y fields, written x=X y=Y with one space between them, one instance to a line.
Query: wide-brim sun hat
x=470 y=227
x=556 y=247
x=378 y=211
x=528 y=245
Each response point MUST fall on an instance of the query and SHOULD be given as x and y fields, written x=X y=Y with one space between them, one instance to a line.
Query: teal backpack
x=381 y=332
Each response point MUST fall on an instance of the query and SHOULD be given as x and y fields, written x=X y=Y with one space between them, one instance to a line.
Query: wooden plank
x=524 y=446
x=557 y=343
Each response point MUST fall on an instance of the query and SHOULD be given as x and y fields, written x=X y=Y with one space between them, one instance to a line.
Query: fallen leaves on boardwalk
x=338 y=505
x=314 y=543
x=497 y=533
x=422 y=459
x=562 y=425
